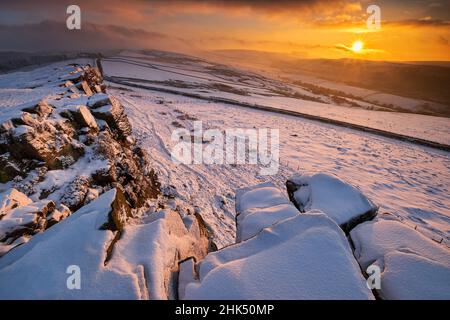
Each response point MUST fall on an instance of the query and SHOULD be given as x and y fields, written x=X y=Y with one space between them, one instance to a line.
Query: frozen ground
x=21 y=87
x=410 y=181
x=191 y=75
x=404 y=179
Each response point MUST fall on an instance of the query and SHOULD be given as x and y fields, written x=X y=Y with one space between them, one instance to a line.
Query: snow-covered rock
x=42 y=139
x=186 y=275
x=57 y=215
x=412 y=265
x=42 y=108
x=53 y=148
x=303 y=257
x=259 y=207
x=12 y=199
x=81 y=116
x=158 y=246
x=98 y=100
x=342 y=202
x=20 y=218
x=37 y=269
x=110 y=110
x=25 y=219
x=135 y=261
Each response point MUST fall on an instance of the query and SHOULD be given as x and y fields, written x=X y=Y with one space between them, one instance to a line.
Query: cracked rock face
x=109 y=109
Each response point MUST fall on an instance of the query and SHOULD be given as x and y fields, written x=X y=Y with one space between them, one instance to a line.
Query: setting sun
x=357 y=46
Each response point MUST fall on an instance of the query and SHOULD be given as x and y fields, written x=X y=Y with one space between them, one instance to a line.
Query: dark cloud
x=424 y=22
x=52 y=35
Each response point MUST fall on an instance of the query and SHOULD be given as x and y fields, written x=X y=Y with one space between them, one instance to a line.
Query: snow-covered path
x=410 y=181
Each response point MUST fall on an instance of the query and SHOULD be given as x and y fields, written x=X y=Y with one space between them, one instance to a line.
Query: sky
x=410 y=30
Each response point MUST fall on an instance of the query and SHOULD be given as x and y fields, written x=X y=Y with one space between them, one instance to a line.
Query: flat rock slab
x=304 y=257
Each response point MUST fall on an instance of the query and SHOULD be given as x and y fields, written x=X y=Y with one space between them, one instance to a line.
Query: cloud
x=422 y=22
x=142 y=11
x=364 y=51
x=52 y=35
x=443 y=41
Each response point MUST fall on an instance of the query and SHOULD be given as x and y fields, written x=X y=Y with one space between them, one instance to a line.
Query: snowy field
x=199 y=77
x=410 y=181
x=301 y=233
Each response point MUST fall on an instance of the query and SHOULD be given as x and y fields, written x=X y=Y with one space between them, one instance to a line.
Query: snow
x=24 y=88
x=259 y=207
x=374 y=239
x=304 y=257
x=402 y=178
x=342 y=202
x=157 y=246
x=408 y=276
x=413 y=266
x=37 y=269
x=141 y=266
x=367 y=94
x=21 y=130
x=280 y=253
x=96 y=98
x=260 y=196
x=195 y=78
x=186 y=275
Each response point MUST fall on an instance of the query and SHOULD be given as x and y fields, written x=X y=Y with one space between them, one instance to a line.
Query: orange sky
x=410 y=30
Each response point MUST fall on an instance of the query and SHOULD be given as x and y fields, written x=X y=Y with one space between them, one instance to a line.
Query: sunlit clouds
x=418 y=30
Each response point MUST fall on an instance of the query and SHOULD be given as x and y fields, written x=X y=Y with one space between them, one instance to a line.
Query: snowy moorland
x=195 y=76
x=92 y=205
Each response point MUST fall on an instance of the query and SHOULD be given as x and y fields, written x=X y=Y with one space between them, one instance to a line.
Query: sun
x=357 y=46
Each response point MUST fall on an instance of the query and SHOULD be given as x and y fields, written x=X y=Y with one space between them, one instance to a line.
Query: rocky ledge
x=59 y=153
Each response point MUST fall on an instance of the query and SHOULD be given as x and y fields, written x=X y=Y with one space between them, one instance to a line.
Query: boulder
x=158 y=245
x=44 y=141
x=42 y=109
x=116 y=119
x=60 y=213
x=100 y=99
x=25 y=220
x=81 y=117
x=343 y=203
x=143 y=262
x=259 y=207
x=12 y=199
x=109 y=109
x=83 y=85
x=413 y=266
x=303 y=257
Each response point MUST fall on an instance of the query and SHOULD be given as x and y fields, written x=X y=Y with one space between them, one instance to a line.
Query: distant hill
x=426 y=80
x=421 y=81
